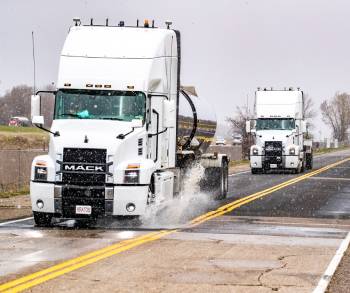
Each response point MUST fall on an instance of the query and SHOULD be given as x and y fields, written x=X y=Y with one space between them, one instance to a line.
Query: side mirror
x=247 y=127
x=35 y=102
x=303 y=126
x=136 y=123
x=39 y=120
x=169 y=114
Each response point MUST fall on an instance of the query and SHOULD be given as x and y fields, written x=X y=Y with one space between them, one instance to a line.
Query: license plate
x=83 y=210
x=273 y=166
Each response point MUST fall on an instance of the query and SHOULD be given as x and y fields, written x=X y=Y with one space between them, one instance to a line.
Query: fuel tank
x=196 y=122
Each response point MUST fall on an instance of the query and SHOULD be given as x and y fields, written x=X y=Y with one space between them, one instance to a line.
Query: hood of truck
x=274 y=135
x=89 y=133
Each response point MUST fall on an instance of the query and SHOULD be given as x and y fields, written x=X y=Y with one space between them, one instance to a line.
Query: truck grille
x=84 y=166
x=273 y=148
x=81 y=195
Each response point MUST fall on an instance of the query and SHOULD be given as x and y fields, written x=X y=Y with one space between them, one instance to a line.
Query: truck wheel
x=223 y=180
x=42 y=219
x=309 y=161
x=302 y=169
x=215 y=180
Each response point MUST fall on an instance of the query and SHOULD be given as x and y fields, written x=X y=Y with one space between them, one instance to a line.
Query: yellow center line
x=74 y=261
x=88 y=261
x=55 y=271
x=244 y=200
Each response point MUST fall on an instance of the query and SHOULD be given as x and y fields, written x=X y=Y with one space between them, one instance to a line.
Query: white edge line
x=328 y=274
x=15 y=221
x=239 y=173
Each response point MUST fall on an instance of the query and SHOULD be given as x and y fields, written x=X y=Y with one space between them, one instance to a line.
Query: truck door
x=158 y=140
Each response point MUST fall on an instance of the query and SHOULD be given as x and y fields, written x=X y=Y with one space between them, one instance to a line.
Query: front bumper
x=283 y=162
x=62 y=200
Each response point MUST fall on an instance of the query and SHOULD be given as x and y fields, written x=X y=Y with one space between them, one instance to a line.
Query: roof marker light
x=89 y=85
x=130 y=87
x=168 y=24
x=67 y=84
x=98 y=85
x=146 y=23
x=121 y=23
x=107 y=86
x=77 y=21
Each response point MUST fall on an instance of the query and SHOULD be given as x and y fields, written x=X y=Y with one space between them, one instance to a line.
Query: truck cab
x=279 y=128
x=114 y=147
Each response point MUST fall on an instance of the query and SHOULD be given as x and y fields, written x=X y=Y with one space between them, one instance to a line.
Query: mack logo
x=84 y=168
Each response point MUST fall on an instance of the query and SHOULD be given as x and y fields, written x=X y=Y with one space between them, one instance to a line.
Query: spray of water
x=189 y=203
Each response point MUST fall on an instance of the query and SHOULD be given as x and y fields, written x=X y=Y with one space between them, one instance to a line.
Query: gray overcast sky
x=229 y=47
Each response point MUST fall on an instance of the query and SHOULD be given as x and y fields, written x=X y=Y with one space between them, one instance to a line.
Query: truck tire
x=42 y=219
x=215 y=180
x=303 y=164
x=309 y=161
x=256 y=170
x=223 y=180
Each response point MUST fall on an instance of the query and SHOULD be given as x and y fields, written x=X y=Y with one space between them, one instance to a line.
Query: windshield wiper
x=113 y=118
x=70 y=114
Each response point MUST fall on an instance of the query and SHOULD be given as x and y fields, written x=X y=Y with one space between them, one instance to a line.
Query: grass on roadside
x=22 y=138
x=13 y=192
x=238 y=163
x=329 y=150
x=13 y=129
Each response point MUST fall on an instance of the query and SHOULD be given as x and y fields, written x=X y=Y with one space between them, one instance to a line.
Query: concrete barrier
x=234 y=151
x=15 y=168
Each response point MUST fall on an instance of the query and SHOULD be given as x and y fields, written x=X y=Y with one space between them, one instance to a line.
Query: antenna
x=34 y=77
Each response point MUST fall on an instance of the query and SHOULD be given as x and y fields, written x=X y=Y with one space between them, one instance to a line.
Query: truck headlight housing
x=292 y=151
x=40 y=173
x=255 y=151
x=131 y=176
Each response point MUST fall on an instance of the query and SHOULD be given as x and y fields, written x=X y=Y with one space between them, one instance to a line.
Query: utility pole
x=34 y=73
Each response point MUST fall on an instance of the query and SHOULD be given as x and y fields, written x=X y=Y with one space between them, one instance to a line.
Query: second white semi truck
x=118 y=143
x=279 y=127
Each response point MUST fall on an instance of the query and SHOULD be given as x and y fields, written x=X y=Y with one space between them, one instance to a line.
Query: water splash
x=189 y=203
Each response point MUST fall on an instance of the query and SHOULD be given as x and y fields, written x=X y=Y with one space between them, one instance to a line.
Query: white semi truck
x=279 y=127
x=118 y=143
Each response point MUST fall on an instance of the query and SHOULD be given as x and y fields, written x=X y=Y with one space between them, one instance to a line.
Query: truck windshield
x=100 y=104
x=275 y=124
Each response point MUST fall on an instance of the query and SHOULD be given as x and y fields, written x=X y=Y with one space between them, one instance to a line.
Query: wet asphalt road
x=325 y=195
x=320 y=196
x=25 y=248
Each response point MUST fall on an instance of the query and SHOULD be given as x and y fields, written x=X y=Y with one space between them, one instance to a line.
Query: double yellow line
x=55 y=271
x=242 y=201
x=37 y=278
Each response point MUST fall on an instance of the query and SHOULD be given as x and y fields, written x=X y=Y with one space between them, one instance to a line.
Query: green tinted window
x=92 y=104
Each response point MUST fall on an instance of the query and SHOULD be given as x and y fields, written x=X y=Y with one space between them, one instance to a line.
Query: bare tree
x=336 y=114
x=309 y=112
x=238 y=123
x=15 y=102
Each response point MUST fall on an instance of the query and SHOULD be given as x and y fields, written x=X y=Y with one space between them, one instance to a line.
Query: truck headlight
x=255 y=151
x=40 y=173
x=292 y=151
x=131 y=176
